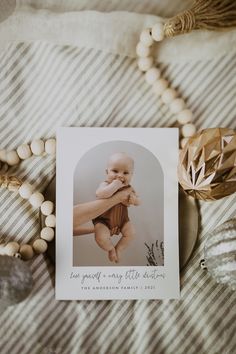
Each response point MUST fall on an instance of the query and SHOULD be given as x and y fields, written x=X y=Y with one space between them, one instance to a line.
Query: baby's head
x=120 y=166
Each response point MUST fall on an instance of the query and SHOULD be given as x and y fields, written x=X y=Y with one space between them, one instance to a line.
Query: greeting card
x=117 y=213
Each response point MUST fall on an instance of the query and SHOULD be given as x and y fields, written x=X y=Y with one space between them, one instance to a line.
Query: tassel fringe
x=12 y=183
x=205 y=14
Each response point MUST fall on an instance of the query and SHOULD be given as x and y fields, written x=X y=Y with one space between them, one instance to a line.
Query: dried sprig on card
x=155 y=253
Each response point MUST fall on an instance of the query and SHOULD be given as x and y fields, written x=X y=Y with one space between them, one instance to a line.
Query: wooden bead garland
x=160 y=86
x=35 y=198
x=25 y=151
x=38 y=147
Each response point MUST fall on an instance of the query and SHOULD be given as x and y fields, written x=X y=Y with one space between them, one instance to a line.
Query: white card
x=117 y=214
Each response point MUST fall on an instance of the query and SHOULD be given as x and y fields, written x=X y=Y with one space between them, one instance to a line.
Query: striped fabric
x=44 y=86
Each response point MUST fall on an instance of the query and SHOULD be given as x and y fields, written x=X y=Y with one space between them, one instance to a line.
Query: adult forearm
x=82 y=213
x=108 y=190
x=90 y=210
x=83 y=230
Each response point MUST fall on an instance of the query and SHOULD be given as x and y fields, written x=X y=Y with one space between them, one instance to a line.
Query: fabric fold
x=114 y=32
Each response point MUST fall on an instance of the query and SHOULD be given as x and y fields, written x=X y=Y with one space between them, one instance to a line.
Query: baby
x=115 y=221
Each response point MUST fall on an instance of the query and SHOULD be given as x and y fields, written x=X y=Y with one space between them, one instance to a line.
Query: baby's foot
x=112 y=255
x=117 y=254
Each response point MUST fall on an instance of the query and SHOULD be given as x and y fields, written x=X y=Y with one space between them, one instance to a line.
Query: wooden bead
x=145 y=63
x=185 y=116
x=37 y=147
x=3 y=155
x=47 y=207
x=142 y=50
x=11 y=248
x=146 y=37
x=26 y=252
x=25 y=190
x=177 y=105
x=36 y=199
x=50 y=221
x=158 y=32
x=159 y=86
x=152 y=75
x=17 y=255
x=24 y=151
x=40 y=246
x=50 y=146
x=47 y=234
x=188 y=130
x=12 y=158
x=169 y=95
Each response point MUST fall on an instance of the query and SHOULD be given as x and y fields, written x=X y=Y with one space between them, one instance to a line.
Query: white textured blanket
x=62 y=66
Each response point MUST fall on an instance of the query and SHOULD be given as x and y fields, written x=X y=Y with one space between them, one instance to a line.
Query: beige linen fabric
x=114 y=32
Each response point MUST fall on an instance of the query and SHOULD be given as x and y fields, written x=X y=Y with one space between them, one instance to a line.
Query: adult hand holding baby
x=123 y=195
x=85 y=212
x=134 y=199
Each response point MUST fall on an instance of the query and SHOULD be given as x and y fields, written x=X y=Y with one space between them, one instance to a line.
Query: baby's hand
x=120 y=179
x=117 y=183
x=123 y=196
x=134 y=199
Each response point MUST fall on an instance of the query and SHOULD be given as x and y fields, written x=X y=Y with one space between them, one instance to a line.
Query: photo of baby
x=117 y=217
x=119 y=173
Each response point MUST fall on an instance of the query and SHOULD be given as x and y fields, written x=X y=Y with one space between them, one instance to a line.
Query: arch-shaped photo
x=126 y=181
